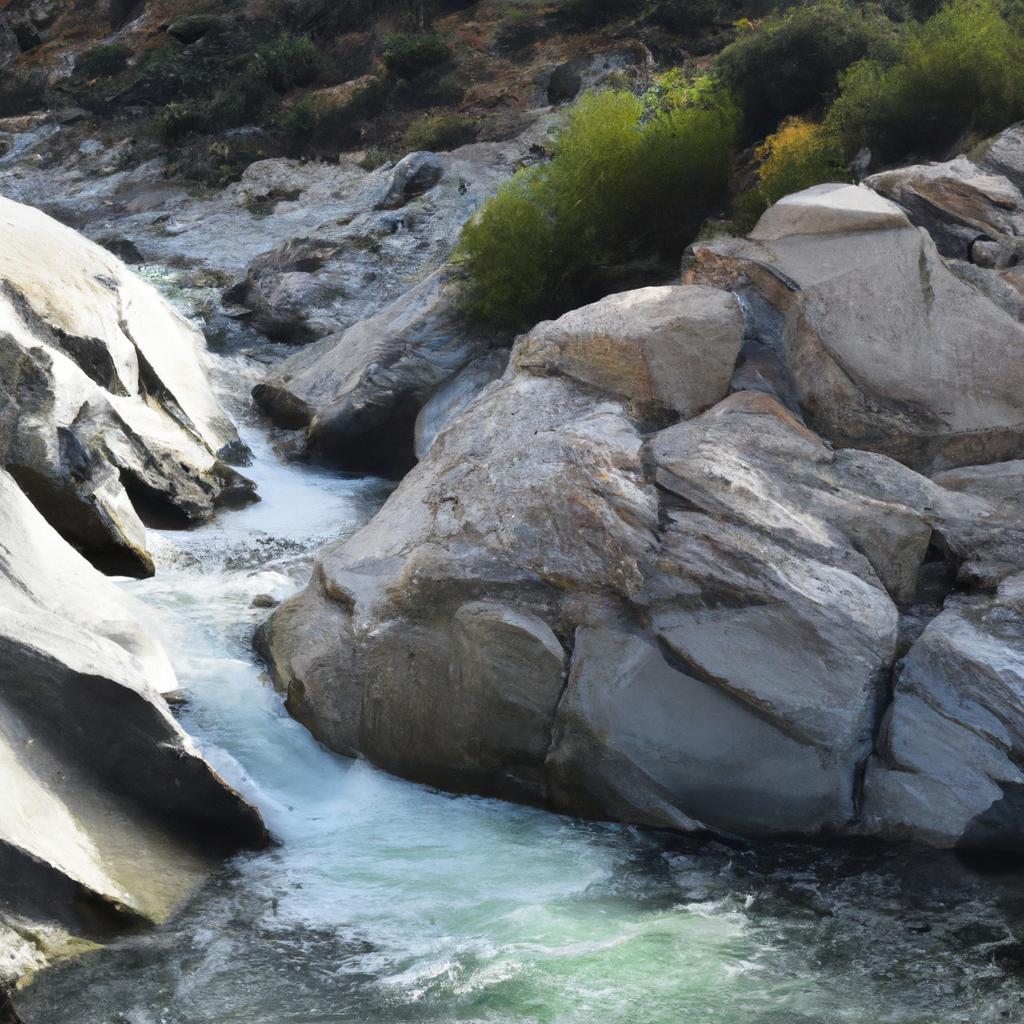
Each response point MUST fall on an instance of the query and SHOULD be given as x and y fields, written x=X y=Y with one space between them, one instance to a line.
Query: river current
x=388 y=902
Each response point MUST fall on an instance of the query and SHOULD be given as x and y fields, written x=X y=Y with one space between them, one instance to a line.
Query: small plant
x=439 y=133
x=408 y=55
x=800 y=154
x=103 y=61
x=178 y=120
x=290 y=61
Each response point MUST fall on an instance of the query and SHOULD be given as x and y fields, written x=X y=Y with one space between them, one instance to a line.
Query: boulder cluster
x=743 y=554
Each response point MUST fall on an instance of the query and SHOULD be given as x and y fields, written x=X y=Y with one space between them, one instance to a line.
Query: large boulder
x=358 y=393
x=110 y=816
x=884 y=348
x=694 y=628
x=107 y=419
x=665 y=352
x=1004 y=154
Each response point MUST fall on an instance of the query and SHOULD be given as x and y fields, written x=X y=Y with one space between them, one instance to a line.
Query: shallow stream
x=388 y=902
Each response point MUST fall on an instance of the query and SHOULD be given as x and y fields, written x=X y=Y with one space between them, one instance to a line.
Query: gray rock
x=665 y=352
x=448 y=402
x=947 y=770
x=887 y=350
x=1004 y=154
x=413 y=175
x=106 y=799
x=725 y=594
x=358 y=393
x=106 y=415
x=955 y=202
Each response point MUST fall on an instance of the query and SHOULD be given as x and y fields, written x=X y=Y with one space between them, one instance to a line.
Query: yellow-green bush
x=628 y=180
x=800 y=154
x=960 y=71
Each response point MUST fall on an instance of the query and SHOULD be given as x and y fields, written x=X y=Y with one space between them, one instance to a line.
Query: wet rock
x=264 y=601
x=725 y=595
x=111 y=817
x=886 y=349
x=107 y=419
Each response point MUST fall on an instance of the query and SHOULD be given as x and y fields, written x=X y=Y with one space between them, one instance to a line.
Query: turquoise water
x=388 y=902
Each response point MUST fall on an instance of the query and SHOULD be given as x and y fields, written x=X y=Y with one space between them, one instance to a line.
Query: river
x=389 y=902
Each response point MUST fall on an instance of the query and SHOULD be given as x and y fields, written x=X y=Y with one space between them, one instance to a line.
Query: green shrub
x=408 y=55
x=314 y=125
x=439 y=133
x=791 y=64
x=960 y=71
x=626 y=180
x=178 y=120
x=246 y=99
x=103 y=61
x=290 y=61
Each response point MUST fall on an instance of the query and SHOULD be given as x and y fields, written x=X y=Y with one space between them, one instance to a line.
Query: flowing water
x=388 y=902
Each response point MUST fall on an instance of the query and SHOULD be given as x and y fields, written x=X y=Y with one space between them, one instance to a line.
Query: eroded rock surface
x=107 y=419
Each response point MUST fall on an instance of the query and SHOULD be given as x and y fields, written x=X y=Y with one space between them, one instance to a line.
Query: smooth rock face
x=947 y=771
x=1005 y=154
x=107 y=803
x=358 y=393
x=106 y=416
x=448 y=402
x=885 y=348
x=665 y=352
x=956 y=202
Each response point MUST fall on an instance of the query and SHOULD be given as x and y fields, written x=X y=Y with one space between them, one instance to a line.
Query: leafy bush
x=289 y=61
x=439 y=133
x=590 y=13
x=178 y=120
x=791 y=65
x=800 y=154
x=627 y=179
x=103 y=61
x=962 y=70
x=315 y=123
x=409 y=55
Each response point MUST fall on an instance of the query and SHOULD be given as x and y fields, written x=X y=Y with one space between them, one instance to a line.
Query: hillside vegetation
x=826 y=84
x=720 y=107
